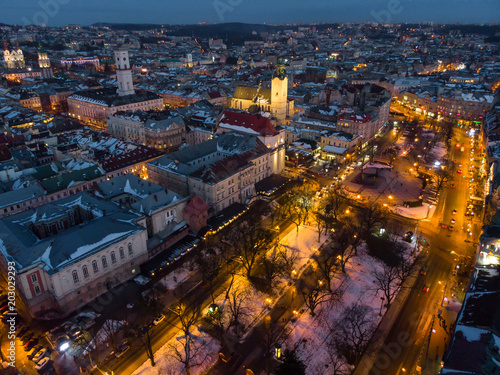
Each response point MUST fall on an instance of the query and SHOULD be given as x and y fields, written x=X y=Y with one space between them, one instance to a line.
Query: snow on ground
x=439 y=151
x=309 y=335
x=176 y=277
x=206 y=348
x=422 y=212
x=304 y=243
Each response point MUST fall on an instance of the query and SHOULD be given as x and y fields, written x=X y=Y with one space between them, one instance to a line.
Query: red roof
x=257 y=123
x=4 y=153
x=196 y=206
x=353 y=117
x=214 y=94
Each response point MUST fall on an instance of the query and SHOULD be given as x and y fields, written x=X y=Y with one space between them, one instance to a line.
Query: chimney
x=103 y=212
x=114 y=220
x=149 y=183
x=156 y=198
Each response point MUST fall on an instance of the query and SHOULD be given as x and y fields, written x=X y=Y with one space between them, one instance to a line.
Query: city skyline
x=63 y=12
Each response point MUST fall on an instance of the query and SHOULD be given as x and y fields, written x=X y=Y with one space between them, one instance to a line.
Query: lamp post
x=381 y=305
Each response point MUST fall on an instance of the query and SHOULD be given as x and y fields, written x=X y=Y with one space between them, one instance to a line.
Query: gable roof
x=249 y=93
x=196 y=206
x=256 y=123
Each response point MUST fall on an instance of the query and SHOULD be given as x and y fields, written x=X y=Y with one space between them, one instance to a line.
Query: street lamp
x=381 y=305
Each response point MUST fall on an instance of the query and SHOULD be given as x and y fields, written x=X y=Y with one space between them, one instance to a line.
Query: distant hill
x=234 y=33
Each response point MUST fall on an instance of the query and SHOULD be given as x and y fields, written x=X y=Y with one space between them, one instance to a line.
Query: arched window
x=122 y=253
x=95 y=267
x=85 y=271
x=104 y=262
x=130 y=250
x=75 y=277
x=113 y=257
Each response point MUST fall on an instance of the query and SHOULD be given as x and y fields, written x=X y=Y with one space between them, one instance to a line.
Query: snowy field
x=422 y=212
x=206 y=351
x=313 y=337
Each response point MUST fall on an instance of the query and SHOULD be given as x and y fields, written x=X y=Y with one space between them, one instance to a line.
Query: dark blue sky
x=85 y=12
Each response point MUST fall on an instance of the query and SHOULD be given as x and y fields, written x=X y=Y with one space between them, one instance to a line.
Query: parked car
x=31 y=354
x=423 y=271
x=27 y=337
x=454 y=212
x=75 y=333
x=42 y=364
x=121 y=350
x=41 y=354
x=30 y=344
x=158 y=319
x=63 y=343
x=426 y=288
x=451 y=227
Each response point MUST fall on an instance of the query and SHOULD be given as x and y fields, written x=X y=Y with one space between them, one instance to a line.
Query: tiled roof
x=257 y=123
x=140 y=154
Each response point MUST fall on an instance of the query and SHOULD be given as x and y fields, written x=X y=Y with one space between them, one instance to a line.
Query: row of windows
x=104 y=263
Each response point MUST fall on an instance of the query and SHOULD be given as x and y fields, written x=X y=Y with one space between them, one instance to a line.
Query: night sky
x=85 y=12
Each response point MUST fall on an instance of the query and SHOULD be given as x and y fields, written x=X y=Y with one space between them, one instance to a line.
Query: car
x=121 y=350
x=454 y=161
x=75 y=333
x=44 y=362
x=454 y=212
x=27 y=337
x=453 y=221
x=460 y=164
x=459 y=171
x=158 y=319
x=423 y=271
x=22 y=330
x=30 y=344
x=41 y=354
x=452 y=186
x=451 y=227
x=63 y=343
x=426 y=288
x=444 y=226
x=33 y=351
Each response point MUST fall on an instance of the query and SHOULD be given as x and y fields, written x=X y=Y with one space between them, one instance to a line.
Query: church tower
x=279 y=93
x=123 y=73
x=44 y=63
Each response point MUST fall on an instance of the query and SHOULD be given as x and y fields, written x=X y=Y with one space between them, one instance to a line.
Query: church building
x=14 y=59
x=273 y=100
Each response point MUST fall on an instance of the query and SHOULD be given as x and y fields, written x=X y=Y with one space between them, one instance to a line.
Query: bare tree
x=249 y=242
x=326 y=265
x=314 y=291
x=110 y=329
x=269 y=335
x=236 y=304
x=368 y=216
x=347 y=240
x=188 y=317
x=209 y=264
x=388 y=281
x=442 y=176
x=288 y=258
x=334 y=202
x=353 y=331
